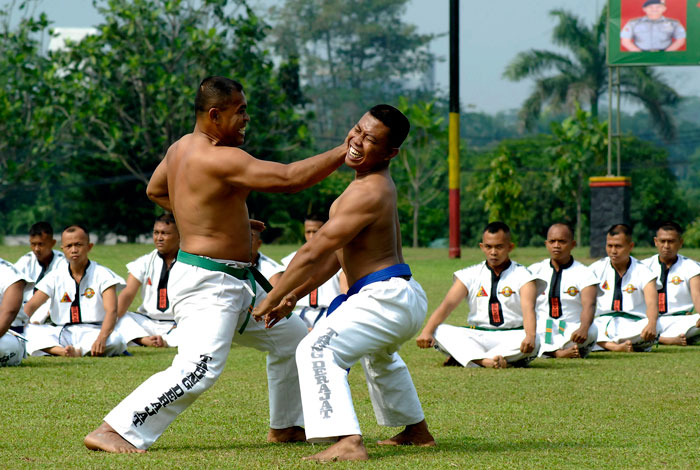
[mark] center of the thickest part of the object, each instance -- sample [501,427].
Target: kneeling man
[566,308]
[12,285]
[680,287]
[83,297]
[153,323]
[501,325]
[627,309]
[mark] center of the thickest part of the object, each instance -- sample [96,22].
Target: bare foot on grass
[71,351]
[617,347]
[414,435]
[571,352]
[679,340]
[155,341]
[291,434]
[107,439]
[347,448]
[497,362]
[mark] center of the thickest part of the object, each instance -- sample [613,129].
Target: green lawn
[613,410]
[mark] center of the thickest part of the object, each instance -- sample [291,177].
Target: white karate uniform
[267,266]
[30,267]
[12,347]
[148,319]
[79,331]
[209,308]
[322,297]
[482,339]
[627,323]
[562,324]
[369,326]
[674,321]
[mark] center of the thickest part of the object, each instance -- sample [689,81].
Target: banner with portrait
[653,32]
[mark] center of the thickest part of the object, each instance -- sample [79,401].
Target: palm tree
[582,76]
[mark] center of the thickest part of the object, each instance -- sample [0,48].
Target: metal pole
[453,155]
[610,94]
[618,135]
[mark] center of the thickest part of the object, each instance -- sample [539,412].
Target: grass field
[613,410]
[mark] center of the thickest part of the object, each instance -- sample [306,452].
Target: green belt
[676,314]
[472,327]
[249,274]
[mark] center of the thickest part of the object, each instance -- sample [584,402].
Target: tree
[582,76]
[422,157]
[580,144]
[352,54]
[501,195]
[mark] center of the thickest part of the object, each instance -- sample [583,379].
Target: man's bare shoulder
[370,191]
[198,147]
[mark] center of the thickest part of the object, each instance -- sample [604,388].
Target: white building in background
[60,35]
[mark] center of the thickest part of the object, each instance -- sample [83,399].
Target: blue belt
[396,270]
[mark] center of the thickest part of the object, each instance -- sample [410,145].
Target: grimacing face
[232,120]
[368,145]
[496,246]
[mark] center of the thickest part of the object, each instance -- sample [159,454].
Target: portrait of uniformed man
[653,32]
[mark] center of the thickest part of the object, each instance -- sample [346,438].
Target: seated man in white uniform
[268,267]
[312,307]
[627,309]
[12,285]
[35,265]
[153,323]
[566,308]
[83,296]
[680,287]
[501,325]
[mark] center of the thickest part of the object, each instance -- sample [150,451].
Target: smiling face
[166,238]
[231,121]
[368,145]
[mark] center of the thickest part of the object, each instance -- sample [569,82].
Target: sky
[492,32]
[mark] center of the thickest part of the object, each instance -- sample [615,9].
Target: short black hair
[166,218]
[215,92]
[40,228]
[563,224]
[495,227]
[670,226]
[75,227]
[316,217]
[618,229]
[393,119]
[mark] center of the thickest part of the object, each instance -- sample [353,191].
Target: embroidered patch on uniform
[89,293]
[676,280]
[572,291]
[148,282]
[507,291]
[482,292]
[630,288]
[605,286]
[66,298]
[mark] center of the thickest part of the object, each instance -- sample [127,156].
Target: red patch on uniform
[148,282]
[66,298]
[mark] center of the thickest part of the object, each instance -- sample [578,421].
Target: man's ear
[213,114]
[392,153]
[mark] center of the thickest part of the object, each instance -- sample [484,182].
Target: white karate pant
[671,326]
[136,325]
[468,344]
[209,308]
[79,335]
[370,326]
[563,340]
[620,329]
[11,350]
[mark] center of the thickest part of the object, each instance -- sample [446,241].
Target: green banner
[653,32]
